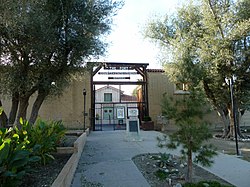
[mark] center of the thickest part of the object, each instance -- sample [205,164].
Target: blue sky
[126,40]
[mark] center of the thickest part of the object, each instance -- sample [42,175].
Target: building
[111,106]
[110,102]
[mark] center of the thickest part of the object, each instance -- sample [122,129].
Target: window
[107,97]
[181,88]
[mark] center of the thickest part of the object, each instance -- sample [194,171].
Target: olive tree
[209,42]
[48,41]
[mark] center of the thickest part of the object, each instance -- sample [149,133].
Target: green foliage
[161,174]
[163,158]
[20,147]
[147,118]
[49,41]
[192,131]
[45,137]
[205,154]
[208,42]
[14,156]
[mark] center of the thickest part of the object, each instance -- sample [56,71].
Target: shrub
[161,174]
[19,147]
[147,118]
[15,157]
[44,137]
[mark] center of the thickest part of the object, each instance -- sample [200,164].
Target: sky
[126,39]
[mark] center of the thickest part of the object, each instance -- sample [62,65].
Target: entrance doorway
[108,114]
[108,100]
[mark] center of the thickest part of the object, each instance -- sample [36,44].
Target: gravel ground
[149,164]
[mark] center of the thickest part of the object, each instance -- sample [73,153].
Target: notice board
[133,126]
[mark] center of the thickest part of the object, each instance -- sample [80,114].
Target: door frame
[140,68]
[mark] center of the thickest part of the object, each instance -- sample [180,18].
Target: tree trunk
[237,115]
[14,107]
[231,130]
[240,114]
[37,105]
[3,118]
[22,110]
[190,166]
[23,104]
[225,121]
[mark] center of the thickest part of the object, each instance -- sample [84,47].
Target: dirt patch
[45,175]
[229,147]
[163,170]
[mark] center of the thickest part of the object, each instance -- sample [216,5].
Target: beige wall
[158,84]
[68,107]
[245,120]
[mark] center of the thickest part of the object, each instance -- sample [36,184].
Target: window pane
[107,97]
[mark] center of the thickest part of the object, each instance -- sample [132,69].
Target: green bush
[44,138]
[147,118]
[160,174]
[20,147]
[15,157]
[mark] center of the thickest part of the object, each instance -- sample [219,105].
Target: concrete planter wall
[67,173]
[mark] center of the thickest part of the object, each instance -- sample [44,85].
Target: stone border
[66,175]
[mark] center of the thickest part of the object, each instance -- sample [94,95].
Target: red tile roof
[125,97]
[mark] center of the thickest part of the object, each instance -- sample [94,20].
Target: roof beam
[119,82]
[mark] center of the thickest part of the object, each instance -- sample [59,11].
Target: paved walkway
[106,161]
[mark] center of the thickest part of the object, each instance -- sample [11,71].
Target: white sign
[132,112]
[120,113]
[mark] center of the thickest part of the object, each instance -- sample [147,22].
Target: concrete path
[106,161]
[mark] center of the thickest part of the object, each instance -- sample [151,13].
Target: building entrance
[109,100]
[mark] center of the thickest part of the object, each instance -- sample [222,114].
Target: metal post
[120,99]
[234,115]
[84,109]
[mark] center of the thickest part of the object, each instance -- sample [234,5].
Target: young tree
[48,41]
[192,133]
[209,43]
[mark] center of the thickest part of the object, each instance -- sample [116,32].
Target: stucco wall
[68,107]
[158,84]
